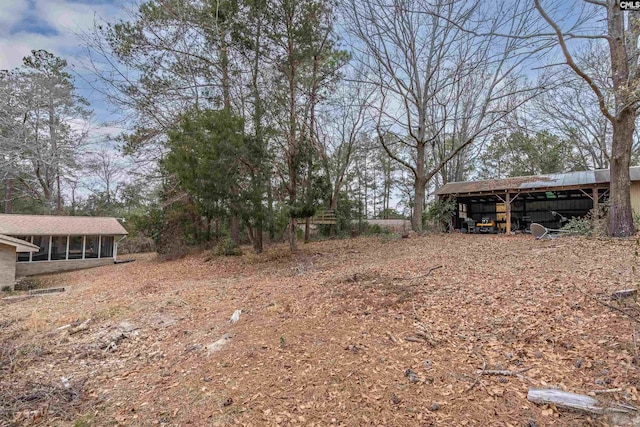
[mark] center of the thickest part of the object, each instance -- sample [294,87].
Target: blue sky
[47,24]
[53,25]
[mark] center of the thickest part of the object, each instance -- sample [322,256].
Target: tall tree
[620,31]
[305,60]
[442,72]
[42,129]
[519,154]
[342,123]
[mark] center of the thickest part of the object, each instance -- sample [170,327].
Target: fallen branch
[626,293]
[575,402]
[609,390]
[504,373]
[421,276]
[81,327]
[612,307]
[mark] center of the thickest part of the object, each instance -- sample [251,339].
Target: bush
[226,247]
[592,224]
[438,214]
[28,283]
[136,244]
[582,226]
[374,229]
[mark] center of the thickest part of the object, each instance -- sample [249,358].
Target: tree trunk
[333,205]
[270,220]
[307,229]
[293,239]
[234,225]
[257,240]
[59,195]
[620,213]
[418,204]
[7,196]
[418,189]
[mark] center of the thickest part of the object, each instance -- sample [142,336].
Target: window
[23,256]
[75,247]
[59,247]
[106,248]
[91,247]
[43,243]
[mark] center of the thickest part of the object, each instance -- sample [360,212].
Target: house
[515,203]
[38,244]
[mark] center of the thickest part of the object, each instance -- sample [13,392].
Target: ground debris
[328,347]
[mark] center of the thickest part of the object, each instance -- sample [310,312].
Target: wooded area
[243,118]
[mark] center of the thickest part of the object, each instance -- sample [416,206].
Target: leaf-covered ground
[355,332]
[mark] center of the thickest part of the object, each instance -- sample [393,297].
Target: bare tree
[342,122]
[604,21]
[108,169]
[444,74]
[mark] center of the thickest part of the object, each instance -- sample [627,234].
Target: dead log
[79,328]
[575,402]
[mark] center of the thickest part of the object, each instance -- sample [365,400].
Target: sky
[47,24]
[53,25]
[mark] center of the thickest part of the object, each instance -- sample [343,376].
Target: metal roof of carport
[557,181]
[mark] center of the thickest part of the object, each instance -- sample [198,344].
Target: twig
[421,276]
[613,307]
[504,373]
[477,381]
[609,390]
[392,338]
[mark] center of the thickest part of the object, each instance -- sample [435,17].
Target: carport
[515,203]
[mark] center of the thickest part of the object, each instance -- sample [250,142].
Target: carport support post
[507,208]
[595,198]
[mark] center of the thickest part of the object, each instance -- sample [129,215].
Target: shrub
[136,244]
[592,224]
[438,214]
[582,226]
[374,229]
[28,283]
[226,247]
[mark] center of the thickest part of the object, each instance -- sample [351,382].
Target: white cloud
[11,12]
[66,17]
[19,45]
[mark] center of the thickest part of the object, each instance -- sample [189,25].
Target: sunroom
[63,242]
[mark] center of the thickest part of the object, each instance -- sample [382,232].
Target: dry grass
[326,336]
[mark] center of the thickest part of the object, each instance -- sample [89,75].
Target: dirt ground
[361,332]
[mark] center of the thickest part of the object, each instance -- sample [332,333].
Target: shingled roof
[50,225]
[20,245]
